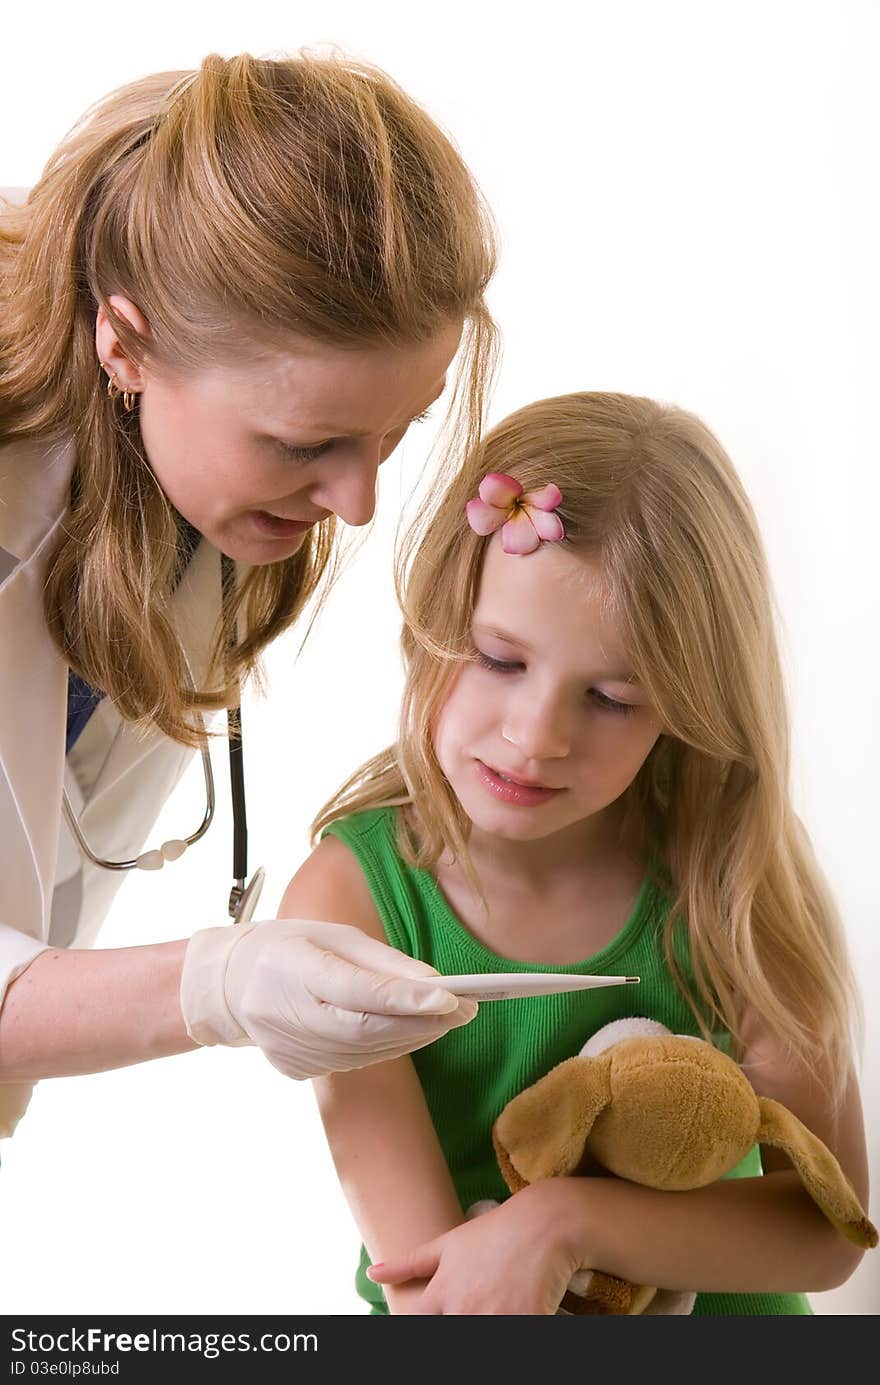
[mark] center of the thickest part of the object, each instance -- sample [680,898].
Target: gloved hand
[315,997]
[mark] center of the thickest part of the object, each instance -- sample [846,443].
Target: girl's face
[549,726]
[255,454]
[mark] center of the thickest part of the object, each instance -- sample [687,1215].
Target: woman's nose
[350,490]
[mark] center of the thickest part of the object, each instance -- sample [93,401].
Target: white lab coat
[117,777]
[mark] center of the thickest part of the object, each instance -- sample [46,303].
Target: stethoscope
[244,895]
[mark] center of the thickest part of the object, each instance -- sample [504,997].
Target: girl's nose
[538,728]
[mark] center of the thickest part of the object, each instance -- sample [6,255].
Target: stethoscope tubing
[243,896]
[169,851]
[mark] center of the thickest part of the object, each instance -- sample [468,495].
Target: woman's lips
[508,790]
[273,527]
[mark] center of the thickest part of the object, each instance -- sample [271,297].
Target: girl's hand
[514,1259]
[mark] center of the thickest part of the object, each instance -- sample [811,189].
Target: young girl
[591,776]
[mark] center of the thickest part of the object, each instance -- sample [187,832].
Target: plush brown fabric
[668,1112]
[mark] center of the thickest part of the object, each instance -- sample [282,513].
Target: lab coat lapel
[33,682]
[34,489]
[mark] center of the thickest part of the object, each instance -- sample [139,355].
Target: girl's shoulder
[404,898]
[357,875]
[371,840]
[331,886]
[380,823]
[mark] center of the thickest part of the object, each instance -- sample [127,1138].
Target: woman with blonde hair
[591,777]
[221,307]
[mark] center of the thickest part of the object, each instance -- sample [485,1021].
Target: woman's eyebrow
[331,431]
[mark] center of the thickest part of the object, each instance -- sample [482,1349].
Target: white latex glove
[315,997]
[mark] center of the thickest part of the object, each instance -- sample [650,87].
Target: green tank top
[470,1074]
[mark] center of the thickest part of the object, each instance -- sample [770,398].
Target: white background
[686,199]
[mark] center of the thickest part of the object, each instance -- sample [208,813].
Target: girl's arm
[738,1235]
[381,1136]
[757,1235]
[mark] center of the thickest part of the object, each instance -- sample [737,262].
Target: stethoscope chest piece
[243,901]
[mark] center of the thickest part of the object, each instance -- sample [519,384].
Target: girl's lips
[272,527]
[522,795]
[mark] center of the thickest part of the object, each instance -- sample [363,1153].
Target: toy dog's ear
[541,1133]
[820,1172]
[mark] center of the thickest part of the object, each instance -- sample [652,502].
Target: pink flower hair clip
[526,518]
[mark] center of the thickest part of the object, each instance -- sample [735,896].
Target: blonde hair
[232,204]
[650,493]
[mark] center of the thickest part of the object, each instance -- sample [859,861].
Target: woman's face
[254,454]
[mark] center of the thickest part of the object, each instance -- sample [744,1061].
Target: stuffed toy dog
[667,1111]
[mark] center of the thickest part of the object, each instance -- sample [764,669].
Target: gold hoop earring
[114,391]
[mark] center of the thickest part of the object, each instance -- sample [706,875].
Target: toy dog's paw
[591,1293]
[671,1303]
[477,1209]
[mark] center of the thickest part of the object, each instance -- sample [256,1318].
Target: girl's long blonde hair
[232,204]
[651,493]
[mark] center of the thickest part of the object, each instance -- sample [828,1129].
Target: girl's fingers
[420,1263]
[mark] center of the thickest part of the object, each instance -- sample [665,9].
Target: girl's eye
[304,454]
[420,418]
[497,665]
[602,700]
[610,704]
